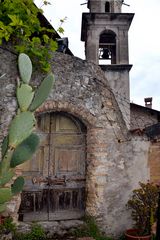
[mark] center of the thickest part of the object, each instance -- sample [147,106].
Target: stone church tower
[105,33]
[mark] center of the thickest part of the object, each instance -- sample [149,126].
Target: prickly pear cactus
[5,195]
[25,68]
[25,150]
[21,127]
[17,186]
[42,92]
[25,96]
[21,143]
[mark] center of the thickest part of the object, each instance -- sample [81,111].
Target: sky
[144,41]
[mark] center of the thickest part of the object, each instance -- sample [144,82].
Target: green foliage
[144,203]
[60,29]
[25,150]
[4,146]
[36,233]
[42,92]
[5,163]
[17,186]
[90,229]
[8,226]
[19,23]
[25,67]
[6,177]
[21,127]
[5,195]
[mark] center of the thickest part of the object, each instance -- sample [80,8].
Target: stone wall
[116,161]
[8,74]
[142,117]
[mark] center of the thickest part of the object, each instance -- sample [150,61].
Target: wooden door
[55,177]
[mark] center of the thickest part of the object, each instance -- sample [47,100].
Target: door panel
[55,177]
[67,161]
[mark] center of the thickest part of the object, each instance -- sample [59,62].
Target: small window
[107,7]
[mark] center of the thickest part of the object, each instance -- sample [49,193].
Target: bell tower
[105,6]
[105,33]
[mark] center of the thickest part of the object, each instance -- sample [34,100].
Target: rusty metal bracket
[49,181]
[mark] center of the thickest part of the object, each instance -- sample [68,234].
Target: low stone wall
[59,228]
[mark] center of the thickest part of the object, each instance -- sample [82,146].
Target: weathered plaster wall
[128,166]
[118,80]
[116,161]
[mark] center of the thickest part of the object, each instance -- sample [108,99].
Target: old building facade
[88,161]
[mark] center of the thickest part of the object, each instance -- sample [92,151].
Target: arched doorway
[55,177]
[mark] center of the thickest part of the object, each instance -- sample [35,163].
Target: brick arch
[56,106]
[96,151]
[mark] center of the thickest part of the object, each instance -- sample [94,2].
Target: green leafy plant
[36,233]
[20,24]
[143,204]
[7,226]
[21,143]
[90,229]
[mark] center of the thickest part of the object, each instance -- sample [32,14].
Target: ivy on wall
[19,24]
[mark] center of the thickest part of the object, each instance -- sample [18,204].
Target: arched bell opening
[55,177]
[107,7]
[107,48]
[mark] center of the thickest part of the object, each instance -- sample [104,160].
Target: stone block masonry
[82,90]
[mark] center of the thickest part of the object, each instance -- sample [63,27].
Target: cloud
[144,39]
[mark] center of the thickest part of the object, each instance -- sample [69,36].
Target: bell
[106,54]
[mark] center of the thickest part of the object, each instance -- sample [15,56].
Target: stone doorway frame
[96,146]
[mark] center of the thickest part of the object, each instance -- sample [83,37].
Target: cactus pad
[42,92]
[4,146]
[5,195]
[25,67]
[21,127]
[24,96]
[17,186]
[6,177]
[5,163]
[25,150]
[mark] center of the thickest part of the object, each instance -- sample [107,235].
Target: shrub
[143,203]
[90,229]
